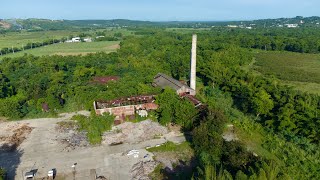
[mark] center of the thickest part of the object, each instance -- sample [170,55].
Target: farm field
[302,71]
[18,39]
[66,49]
[313,88]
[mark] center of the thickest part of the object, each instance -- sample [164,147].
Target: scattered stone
[129,132]
[70,135]
[141,170]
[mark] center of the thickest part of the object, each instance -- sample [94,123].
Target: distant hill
[47,24]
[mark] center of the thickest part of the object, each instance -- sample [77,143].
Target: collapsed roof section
[133,100]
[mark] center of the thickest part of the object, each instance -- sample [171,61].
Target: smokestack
[193,62]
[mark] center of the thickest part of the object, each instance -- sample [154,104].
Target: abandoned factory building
[123,107]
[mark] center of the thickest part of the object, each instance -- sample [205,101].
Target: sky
[159,10]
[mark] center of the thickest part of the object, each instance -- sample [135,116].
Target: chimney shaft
[193,62]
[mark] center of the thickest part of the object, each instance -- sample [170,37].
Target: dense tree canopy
[65,83]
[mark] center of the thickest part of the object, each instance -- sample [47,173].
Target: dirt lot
[45,145]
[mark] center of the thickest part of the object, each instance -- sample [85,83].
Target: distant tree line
[9,50]
[302,40]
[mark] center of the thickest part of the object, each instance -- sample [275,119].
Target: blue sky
[159,10]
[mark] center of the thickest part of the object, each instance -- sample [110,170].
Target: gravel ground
[43,150]
[129,132]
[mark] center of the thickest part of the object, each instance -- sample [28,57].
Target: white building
[100,37]
[87,40]
[76,39]
[291,25]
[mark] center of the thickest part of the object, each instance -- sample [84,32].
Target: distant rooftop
[105,79]
[164,81]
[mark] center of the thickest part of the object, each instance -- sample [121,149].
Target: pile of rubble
[74,140]
[69,135]
[134,132]
[11,141]
[141,170]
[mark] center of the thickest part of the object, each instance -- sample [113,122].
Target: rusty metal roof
[133,100]
[105,79]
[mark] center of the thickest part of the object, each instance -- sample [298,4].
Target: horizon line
[100,19]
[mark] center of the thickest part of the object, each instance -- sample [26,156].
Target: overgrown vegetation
[94,125]
[175,110]
[2,174]
[170,146]
[278,124]
[179,155]
[288,158]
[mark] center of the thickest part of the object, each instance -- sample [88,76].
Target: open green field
[18,39]
[301,71]
[70,49]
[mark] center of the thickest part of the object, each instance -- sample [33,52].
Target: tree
[262,102]
[2,173]
[12,107]
[167,101]
[6,89]
[185,113]
[241,176]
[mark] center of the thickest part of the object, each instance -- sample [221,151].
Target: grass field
[70,49]
[18,39]
[313,88]
[301,71]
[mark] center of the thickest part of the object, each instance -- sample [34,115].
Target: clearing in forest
[301,71]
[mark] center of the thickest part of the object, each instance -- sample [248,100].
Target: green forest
[278,127]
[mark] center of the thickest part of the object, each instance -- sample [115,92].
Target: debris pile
[134,132]
[66,126]
[74,140]
[70,135]
[12,141]
[101,178]
[141,170]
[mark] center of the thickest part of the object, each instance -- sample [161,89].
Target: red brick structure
[105,79]
[123,107]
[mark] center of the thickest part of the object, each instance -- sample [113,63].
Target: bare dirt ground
[115,46]
[5,25]
[134,132]
[53,143]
